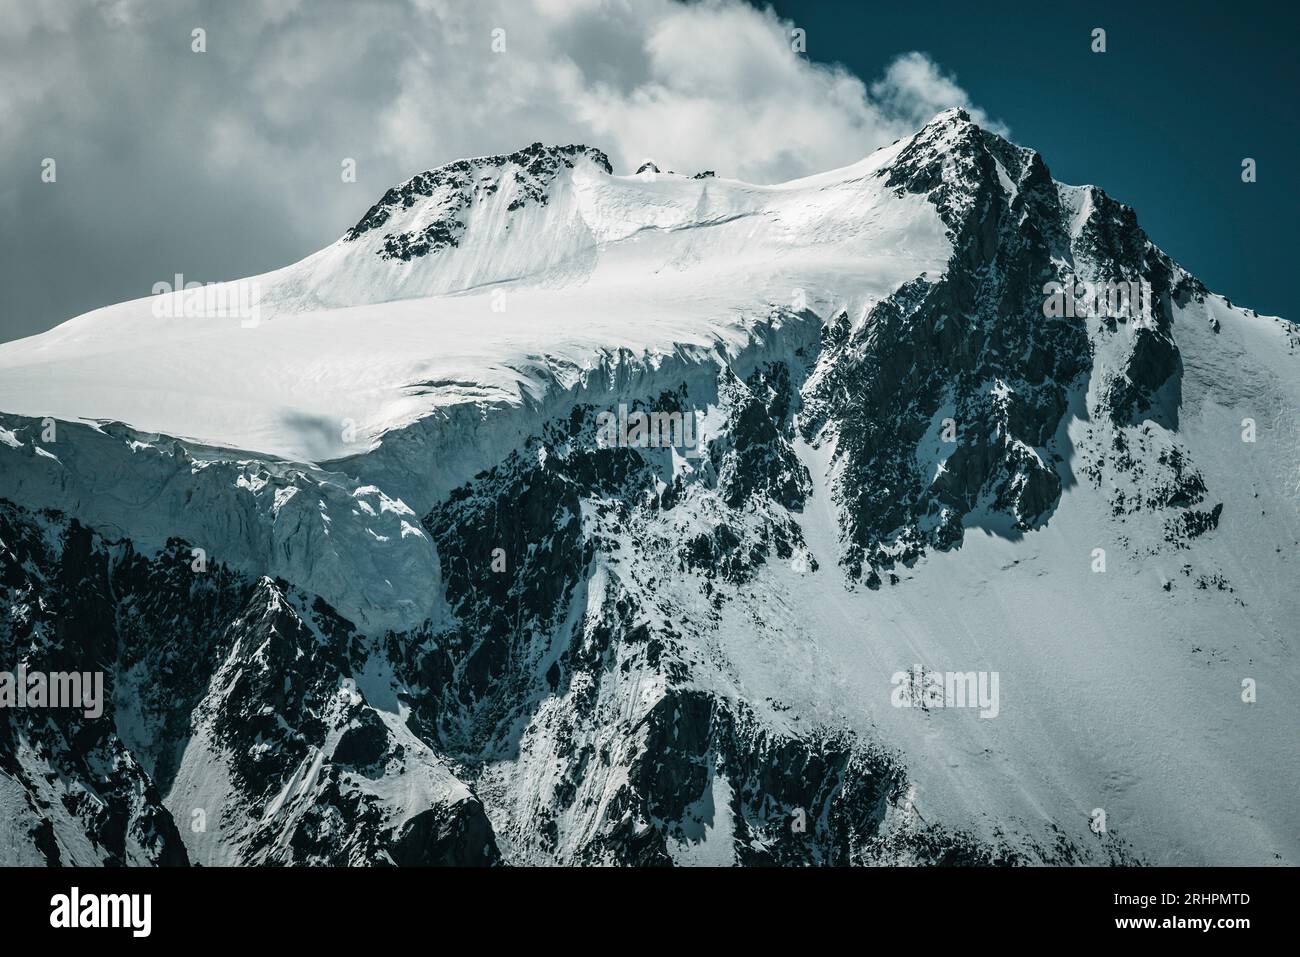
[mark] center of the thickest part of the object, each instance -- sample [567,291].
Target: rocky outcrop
[446,192]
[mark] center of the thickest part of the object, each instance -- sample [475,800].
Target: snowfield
[348,346]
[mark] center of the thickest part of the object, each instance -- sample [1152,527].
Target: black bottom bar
[351,908]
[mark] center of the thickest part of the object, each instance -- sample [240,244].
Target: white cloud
[711,85]
[914,86]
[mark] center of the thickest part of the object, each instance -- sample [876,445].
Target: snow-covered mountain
[370,583]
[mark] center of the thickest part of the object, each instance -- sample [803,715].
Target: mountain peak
[952,116]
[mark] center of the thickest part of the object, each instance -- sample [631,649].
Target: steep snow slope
[445,624]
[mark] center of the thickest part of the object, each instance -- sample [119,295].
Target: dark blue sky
[1161,121]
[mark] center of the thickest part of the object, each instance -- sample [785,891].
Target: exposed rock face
[532,670]
[946,398]
[213,669]
[82,794]
[446,192]
[595,693]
